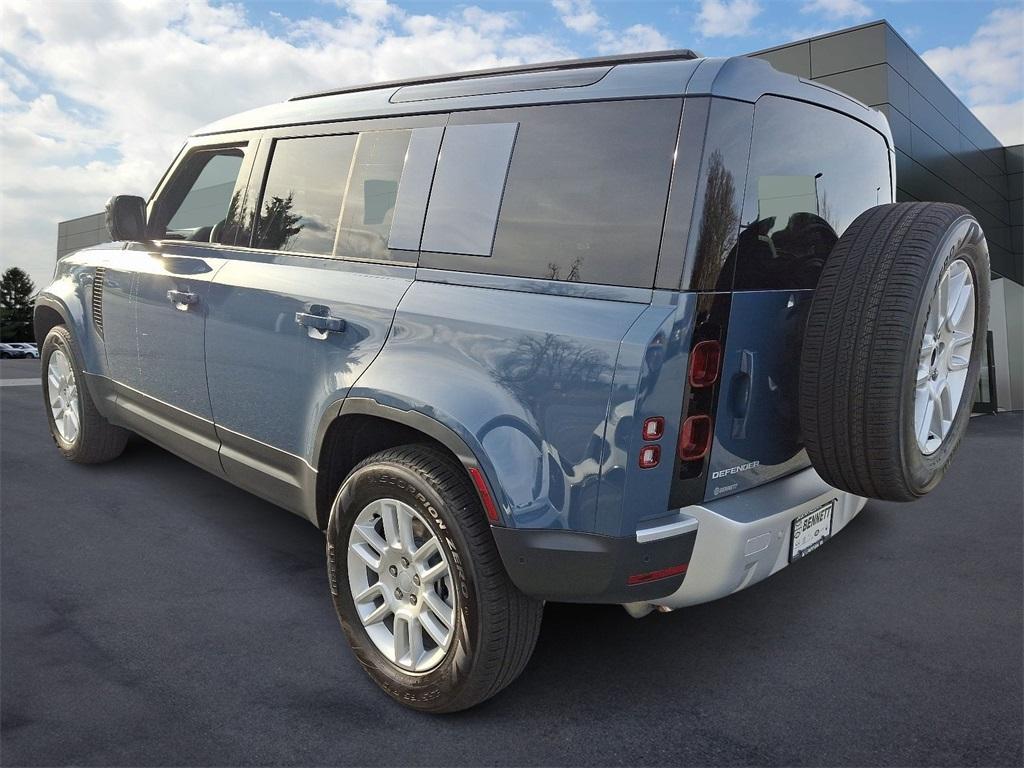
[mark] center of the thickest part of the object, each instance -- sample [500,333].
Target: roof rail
[625,58]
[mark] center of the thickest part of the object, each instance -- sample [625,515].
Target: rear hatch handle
[740,392]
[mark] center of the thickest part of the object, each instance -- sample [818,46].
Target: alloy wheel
[62,390]
[401,585]
[945,356]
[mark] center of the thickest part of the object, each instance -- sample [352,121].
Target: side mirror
[126,217]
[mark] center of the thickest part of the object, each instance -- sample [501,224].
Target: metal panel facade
[81,233]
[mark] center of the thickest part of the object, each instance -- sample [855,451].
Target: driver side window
[202,202]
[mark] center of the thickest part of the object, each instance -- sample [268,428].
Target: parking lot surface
[151,614]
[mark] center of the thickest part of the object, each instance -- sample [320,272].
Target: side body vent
[97,298]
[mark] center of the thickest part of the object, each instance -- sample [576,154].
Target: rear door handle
[182,299]
[319,321]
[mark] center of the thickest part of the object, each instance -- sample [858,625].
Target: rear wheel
[81,433]
[892,350]
[418,584]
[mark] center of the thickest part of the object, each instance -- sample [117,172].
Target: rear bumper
[746,538]
[726,545]
[575,567]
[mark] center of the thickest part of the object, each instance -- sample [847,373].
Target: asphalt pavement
[151,614]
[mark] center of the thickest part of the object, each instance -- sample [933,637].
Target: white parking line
[19,382]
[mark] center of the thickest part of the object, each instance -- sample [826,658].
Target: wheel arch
[47,314]
[363,426]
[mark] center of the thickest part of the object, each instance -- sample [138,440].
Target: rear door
[811,172]
[297,316]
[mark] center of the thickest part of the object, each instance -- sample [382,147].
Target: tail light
[654,428]
[703,381]
[650,456]
[705,360]
[695,437]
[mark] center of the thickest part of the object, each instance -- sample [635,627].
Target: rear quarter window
[584,199]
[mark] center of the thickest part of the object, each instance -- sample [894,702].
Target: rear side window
[342,195]
[372,192]
[302,196]
[584,199]
[812,172]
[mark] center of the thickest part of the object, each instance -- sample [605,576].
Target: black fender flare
[47,301]
[421,422]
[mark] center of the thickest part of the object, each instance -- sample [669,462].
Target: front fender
[68,295]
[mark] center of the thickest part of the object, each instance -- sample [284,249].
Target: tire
[864,363]
[95,440]
[494,627]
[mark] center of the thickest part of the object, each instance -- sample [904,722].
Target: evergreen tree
[16,291]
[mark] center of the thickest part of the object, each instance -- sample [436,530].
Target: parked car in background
[638,330]
[30,350]
[12,351]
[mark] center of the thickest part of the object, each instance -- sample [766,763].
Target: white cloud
[1006,121]
[580,17]
[837,9]
[727,18]
[639,37]
[97,97]
[988,72]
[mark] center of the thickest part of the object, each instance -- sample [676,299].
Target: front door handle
[182,299]
[319,321]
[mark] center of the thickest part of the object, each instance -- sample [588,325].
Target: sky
[97,97]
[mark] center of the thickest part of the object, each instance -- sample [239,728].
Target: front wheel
[418,584]
[80,431]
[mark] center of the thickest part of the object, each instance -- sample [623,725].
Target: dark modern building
[81,232]
[943,152]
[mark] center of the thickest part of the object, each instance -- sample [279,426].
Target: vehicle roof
[656,74]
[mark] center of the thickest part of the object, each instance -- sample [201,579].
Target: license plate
[811,530]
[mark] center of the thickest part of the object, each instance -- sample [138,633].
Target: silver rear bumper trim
[746,538]
[677,527]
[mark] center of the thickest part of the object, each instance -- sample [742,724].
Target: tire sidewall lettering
[359,489]
[963,241]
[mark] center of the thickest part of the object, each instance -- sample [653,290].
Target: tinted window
[411,206]
[200,201]
[467,189]
[716,210]
[585,195]
[811,173]
[303,193]
[372,192]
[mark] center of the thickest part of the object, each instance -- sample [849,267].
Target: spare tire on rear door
[892,349]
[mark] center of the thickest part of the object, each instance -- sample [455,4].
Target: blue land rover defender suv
[637,330]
